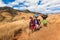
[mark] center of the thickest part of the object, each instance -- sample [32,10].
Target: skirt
[32,27]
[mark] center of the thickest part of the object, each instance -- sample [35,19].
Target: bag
[37,26]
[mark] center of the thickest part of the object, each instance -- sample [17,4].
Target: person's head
[36,17]
[31,17]
[45,16]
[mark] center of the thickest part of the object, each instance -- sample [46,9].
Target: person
[37,23]
[32,24]
[44,19]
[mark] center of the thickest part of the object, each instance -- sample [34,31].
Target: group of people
[34,24]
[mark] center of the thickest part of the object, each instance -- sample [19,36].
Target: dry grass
[21,22]
[8,30]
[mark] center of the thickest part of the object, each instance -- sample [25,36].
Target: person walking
[44,19]
[37,22]
[31,24]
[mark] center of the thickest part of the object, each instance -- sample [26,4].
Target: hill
[8,12]
[14,25]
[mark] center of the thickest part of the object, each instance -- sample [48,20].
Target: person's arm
[29,24]
[39,22]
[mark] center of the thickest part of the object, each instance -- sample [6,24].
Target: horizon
[41,6]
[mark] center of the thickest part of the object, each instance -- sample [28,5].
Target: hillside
[16,26]
[8,12]
[51,32]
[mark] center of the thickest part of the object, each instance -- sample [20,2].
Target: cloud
[15,3]
[2,4]
[45,6]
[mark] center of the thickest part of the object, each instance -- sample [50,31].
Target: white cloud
[33,5]
[23,8]
[2,4]
[16,8]
[26,2]
[52,6]
[16,2]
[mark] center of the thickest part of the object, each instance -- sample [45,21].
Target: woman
[44,19]
[37,23]
[32,24]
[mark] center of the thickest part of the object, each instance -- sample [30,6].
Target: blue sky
[42,6]
[7,1]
